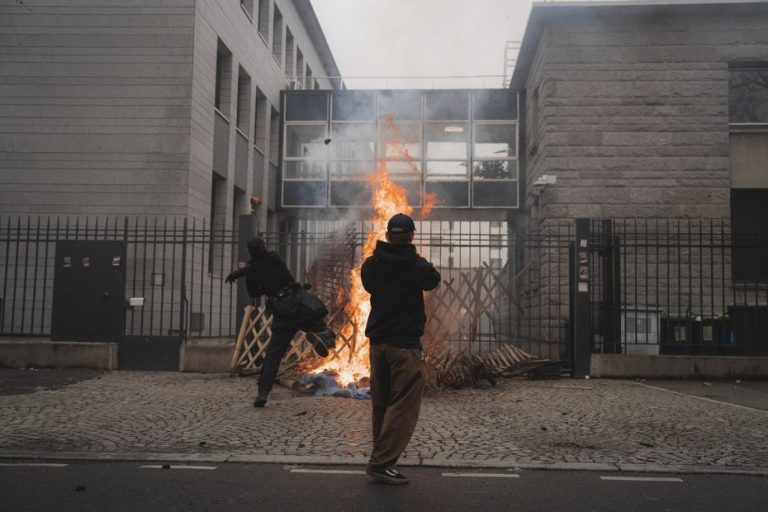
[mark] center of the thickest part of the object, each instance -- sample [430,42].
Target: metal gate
[88,291]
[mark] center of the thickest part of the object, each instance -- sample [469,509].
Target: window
[247,6]
[748,95]
[308,77]
[243,100]
[446,151]
[748,115]
[494,151]
[260,123]
[340,137]
[274,135]
[264,19]
[290,65]
[299,69]
[277,36]
[317,84]
[222,94]
[749,228]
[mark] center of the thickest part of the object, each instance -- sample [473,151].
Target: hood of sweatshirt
[395,254]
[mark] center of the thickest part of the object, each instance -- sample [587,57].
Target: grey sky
[421,37]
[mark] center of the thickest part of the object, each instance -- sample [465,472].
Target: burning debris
[346,371]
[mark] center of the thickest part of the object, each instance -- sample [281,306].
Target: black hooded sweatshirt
[266,274]
[396,277]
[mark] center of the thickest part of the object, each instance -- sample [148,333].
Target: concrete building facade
[159,108]
[628,106]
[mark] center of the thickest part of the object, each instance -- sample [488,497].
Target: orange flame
[388,198]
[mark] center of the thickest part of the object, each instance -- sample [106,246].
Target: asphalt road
[131,486]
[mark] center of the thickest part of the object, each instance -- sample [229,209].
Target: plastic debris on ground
[325,384]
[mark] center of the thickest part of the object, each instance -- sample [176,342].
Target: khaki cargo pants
[397,385]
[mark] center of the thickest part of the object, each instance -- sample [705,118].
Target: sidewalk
[596,424]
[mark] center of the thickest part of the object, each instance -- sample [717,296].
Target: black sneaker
[317,339]
[260,401]
[387,476]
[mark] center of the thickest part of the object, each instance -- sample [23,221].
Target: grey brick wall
[633,113]
[95,107]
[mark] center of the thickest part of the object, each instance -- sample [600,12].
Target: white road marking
[702,398]
[160,466]
[328,471]
[641,479]
[33,464]
[482,475]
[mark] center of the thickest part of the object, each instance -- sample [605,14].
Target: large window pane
[306,107]
[400,105]
[748,95]
[352,105]
[352,170]
[453,193]
[350,193]
[397,140]
[495,169]
[447,170]
[352,141]
[305,193]
[404,168]
[304,170]
[494,141]
[495,104]
[305,141]
[494,194]
[447,105]
[447,140]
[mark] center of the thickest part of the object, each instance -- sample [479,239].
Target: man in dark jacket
[396,277]
[266,274]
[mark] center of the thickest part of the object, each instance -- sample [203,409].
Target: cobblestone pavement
[517,424]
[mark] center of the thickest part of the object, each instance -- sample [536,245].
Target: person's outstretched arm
[236,274]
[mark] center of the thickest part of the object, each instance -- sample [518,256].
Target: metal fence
[177,266]
[679,286]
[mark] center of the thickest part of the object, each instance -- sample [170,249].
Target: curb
[319,460]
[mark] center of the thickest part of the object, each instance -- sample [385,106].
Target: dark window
[299,69]
[260,124]
[306,107]
[277,36]
[490,105]
[247,6]
[290,50]
[264,19]
[243,101]
[447,105]
[748,95]
[401,105]
[749,227]
[352,105]
[274,135]
[223,78]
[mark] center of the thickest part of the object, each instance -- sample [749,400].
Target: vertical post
[581,312]
[183,297]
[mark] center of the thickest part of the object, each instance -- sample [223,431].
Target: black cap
[401,223]
[255,241]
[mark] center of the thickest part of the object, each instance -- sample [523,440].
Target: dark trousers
[397,385]
[282,335]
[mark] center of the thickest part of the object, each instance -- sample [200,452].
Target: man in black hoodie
[266,274]
[396,277]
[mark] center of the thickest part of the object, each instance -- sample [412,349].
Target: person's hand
[231,278]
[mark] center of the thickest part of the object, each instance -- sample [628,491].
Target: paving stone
[517,422]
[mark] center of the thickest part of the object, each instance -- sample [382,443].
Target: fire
[388,198]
